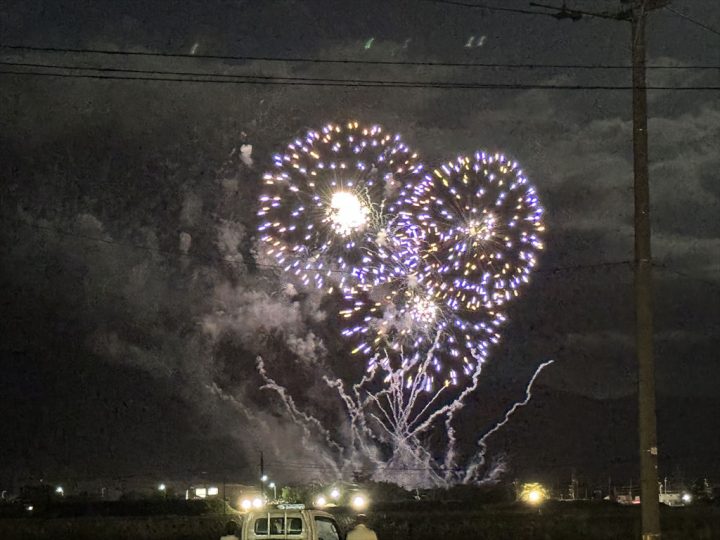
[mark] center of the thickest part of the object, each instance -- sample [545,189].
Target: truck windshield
[277,525]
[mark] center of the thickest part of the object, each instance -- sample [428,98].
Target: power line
[563,12]
[141,247]
[587,266]
[279,464]
[685,275]
[486,7]
[342,61]
[218,258]
[209,258]
[693,20]
[626,14]
[105,73]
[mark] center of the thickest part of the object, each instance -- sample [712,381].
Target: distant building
[232,493]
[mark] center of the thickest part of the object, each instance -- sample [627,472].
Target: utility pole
[647,424]
[262,473]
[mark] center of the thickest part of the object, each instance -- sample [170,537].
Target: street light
[534,497]
[533,493]
[335,494]
[359,503]
[162,487]
[263,481]
[274,488]
[60,491]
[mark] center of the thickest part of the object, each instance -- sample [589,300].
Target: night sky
[133,310]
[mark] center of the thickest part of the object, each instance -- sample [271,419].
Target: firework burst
[325,205]
[402,325]
[423,263]
[481,224]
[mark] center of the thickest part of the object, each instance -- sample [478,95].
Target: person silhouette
[361,531]
[231,531]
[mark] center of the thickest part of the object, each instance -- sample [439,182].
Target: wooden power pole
[647,424]
[649,490]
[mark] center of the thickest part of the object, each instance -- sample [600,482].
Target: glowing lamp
[533,494]
[320,501]
[359,502]
[246,504]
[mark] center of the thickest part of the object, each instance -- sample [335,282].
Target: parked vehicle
[290,521]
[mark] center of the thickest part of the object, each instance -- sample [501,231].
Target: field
[559,521]
[556,521]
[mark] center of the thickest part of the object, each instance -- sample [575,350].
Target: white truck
[290,522]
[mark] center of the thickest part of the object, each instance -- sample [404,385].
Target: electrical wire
[107,73]
[342,61]
[215,259]
[486,7]
[685,275]
[692,20]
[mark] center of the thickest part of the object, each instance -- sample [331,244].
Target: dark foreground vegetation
[555,521]
[193,520]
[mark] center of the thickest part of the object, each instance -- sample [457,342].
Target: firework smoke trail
[305,421]
[386,429]
[397,414]
[380,419]
[479,459]
[362,438]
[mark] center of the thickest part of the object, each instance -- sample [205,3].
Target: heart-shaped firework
[424,263]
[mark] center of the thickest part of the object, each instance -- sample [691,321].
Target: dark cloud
[134,306]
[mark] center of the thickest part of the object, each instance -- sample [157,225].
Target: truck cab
[290,522]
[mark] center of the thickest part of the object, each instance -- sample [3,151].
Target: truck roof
[290,512]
